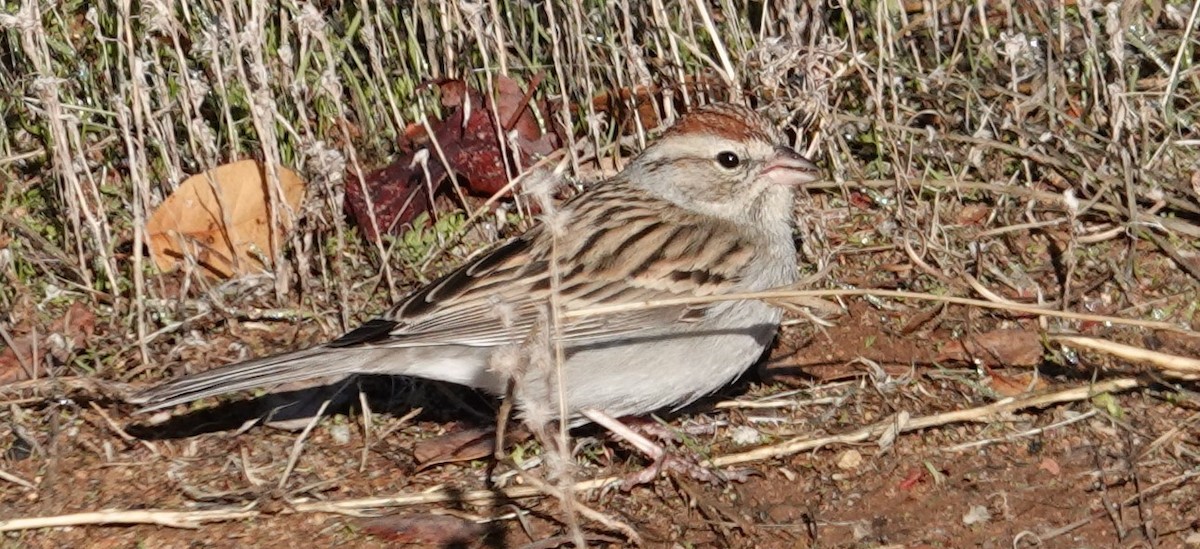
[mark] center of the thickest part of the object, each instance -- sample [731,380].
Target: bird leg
[658,455]
[502,416]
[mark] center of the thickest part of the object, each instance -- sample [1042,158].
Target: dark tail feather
[312,363]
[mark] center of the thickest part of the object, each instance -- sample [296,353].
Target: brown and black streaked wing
[497,298]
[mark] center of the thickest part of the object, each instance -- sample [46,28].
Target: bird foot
[674,464]
[689,465]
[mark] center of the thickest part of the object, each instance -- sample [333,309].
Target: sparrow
[705,210]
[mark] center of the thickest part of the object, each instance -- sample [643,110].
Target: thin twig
[174,519]
[783,293]
[121,432]
[5,475]
[298,445]
[1022,434]
[1179,366]
[794,446]
[982,413]
[1179,479]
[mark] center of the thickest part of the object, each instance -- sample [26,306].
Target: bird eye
[728,160]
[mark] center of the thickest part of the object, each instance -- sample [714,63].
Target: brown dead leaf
[426,530]
[229,235]
[913,478]
[465,445]
[72,331]
[996,348]
[453,447]
[972,214]
[1016,385]
[1051,466]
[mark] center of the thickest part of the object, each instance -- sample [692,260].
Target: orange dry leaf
[1051,466]
[227,232]
[1016,385]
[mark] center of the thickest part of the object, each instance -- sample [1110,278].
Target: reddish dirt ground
[1095,470]
[1108,471]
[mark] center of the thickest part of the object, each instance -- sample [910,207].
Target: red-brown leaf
[469,140]
[74,327]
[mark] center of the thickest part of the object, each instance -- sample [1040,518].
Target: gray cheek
[705,185]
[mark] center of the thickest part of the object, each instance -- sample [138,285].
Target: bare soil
[1112,469]
[1036,153]
[1115,474]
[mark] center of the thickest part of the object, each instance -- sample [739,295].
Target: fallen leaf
[468,148]
[861,201]
[912,479]
[454,447]
[426,530]
[397,195]
[996,348]
[465,445]
[1016,385]
[222,218]
[67,333]
[512,104]
[972,214]
[1051,466]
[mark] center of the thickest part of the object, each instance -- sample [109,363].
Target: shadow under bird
[705,210]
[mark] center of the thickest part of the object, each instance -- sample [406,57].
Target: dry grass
[1031,167]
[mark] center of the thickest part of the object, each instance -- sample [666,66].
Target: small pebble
[745,436]
[850,459]
[340,433]
[976,514]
